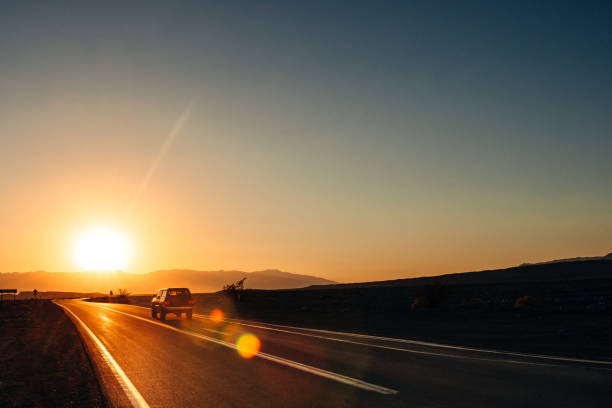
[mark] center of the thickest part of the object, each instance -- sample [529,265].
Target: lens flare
[216,315]
[248,345]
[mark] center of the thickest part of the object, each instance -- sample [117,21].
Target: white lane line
[261,325]
[420,352]
[416,342]
[130,390]
[294,364]
[426,353]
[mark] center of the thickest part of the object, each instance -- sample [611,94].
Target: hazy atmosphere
[348,142]
[306,204]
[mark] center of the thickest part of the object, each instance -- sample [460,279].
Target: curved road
[192,363]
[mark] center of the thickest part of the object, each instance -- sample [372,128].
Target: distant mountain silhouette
[552,271]
[197,281]
[212,281]
[583,258]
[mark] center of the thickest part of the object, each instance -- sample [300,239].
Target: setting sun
[102,249]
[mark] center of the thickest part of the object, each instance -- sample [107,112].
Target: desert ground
[43,362]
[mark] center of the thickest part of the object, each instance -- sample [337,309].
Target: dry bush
[419,303]
[122,296]
[123,292]
[432,296]
[235,290]
[525,302]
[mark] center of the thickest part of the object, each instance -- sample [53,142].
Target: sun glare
[102,249]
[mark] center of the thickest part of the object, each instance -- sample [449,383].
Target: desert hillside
[197,281]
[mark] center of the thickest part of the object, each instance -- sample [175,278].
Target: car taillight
[167,303]
[191,302]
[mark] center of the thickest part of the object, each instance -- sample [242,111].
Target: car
[172,300]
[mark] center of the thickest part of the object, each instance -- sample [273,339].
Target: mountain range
[598,267]
[579,258]
[571,269]
[197,281]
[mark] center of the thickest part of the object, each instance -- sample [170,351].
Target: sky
[353,141]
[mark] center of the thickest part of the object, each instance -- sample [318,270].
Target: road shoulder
[44,362]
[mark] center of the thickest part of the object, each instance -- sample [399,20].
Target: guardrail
[9,291]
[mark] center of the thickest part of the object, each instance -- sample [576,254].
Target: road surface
[194,363]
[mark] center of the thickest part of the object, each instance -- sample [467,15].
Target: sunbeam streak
[180,123]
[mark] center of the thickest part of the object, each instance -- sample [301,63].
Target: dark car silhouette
[172,300]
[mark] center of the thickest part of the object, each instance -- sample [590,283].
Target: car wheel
[153,313]
[162,315]
[189,314]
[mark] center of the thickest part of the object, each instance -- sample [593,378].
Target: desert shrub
[525,302]
[418,303]
[235,290]
[122,296]
[431,296]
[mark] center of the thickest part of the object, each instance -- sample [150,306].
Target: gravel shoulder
[43,360]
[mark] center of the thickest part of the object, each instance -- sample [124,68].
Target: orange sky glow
[226,142]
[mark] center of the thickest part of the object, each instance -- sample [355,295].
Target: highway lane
[192,363]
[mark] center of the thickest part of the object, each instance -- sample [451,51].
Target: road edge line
[135,398]
[408,341]
[253,323]
[276,359]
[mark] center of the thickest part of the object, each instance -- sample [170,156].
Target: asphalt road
[194,363]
